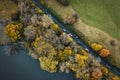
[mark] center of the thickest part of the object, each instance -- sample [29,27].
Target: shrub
[96,46]
[71,19]
[13,31]
[64,2]
[104,52]
[96,73]
[48,64]
[113,43]
[63,55]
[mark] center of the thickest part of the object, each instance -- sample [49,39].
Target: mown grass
[7,8]
[102,14]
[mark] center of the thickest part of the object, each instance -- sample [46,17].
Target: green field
[102,14]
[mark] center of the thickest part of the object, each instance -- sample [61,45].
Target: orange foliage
[97,73]
[104,52]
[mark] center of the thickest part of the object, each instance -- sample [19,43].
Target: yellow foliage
[80,59]
[33,4]
[96,46]
[115,78]
[84,53]
[77,75]
[73,67]
[39,10]
[63,55]
[55,26]
[35,43]
[104,70]
[13,31]
[48,64]
[43,48]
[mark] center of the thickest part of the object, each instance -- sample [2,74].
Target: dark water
[23,67]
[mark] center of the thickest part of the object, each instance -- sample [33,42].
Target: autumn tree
[104,52]
[115,78]
[39,10]
[64,2]
[48,64]
[104,70]
[46,21]
[42,48]
[13,31]
[65,39]
[96,46]
[30,32]
[80,59]
[63,55]
[56,28]
[97,74]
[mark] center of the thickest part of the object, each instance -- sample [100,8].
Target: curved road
[78,40]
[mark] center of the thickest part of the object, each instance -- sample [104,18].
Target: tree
[80,59]
[63,55]
[30,32]
[46,21]
[104,52]
[104,70]
[55,27]
[97,74]
[113,43]
[96,46]
[39,10]
[48,64]
[11,49]
[13,31]
[115,78]
[64,2]
[65,39]
[42,48]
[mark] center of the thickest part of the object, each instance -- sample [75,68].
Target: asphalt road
[78,40]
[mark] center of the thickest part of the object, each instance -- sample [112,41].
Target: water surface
[23,67]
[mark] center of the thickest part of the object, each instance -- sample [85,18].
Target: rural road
[78,40]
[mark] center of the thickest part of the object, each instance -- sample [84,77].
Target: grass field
[102,14]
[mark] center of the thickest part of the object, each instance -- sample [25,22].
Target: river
[23,67]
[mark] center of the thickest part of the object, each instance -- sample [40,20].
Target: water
[23,67]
